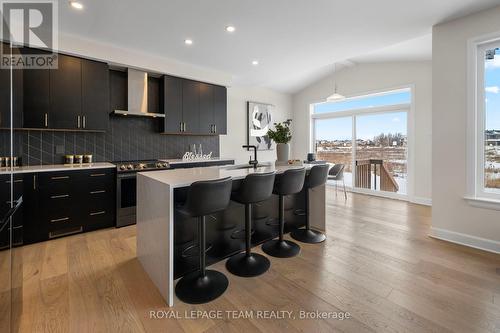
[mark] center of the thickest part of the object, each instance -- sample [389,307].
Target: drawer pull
[54,234]
[59,196]
[59,177]
[97,192]
[15,181]
[98,213]
[97,175]
[60,220]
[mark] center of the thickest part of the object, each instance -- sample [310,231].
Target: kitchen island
[166,240]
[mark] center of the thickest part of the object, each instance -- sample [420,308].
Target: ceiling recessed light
[255,62]
[188,41]
[230,28]
[76,5]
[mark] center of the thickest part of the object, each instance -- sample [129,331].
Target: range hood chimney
[137,87]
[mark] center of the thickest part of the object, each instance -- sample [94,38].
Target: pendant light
[335,97]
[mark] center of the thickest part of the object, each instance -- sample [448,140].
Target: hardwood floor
[378,264]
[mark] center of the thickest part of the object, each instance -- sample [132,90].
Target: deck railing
[366,168]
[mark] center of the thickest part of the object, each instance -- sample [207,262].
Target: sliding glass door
[334,143]
[381,152]
[369,136]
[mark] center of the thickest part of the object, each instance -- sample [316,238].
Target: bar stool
[255,188]
[317,176]
[204,198]
[289,182]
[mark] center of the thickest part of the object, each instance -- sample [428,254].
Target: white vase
[283,152]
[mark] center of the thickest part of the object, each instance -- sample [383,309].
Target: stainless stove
[145,165]
[126,187]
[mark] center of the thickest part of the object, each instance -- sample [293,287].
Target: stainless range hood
[137,84]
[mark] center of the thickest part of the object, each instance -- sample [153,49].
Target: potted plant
[282,136]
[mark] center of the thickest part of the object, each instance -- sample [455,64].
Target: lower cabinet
[69,202]
[6,200]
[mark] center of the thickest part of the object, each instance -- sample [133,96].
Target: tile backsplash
[130,138]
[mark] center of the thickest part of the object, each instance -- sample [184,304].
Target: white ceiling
[294,41]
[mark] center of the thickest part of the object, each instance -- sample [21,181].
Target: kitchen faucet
[254,162]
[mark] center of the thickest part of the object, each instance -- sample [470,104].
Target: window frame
[477,194]
[391,108]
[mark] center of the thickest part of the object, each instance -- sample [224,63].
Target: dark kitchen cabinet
[172,104]
[206,108]
[67,202]
[193,107]
[36,98]
[5,94]
[220,109]
[6,202]
[118,90]
[66,94]
[95,95]
[75,96]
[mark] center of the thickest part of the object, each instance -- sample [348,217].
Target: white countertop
[180,160]
[185,177]
[57,167]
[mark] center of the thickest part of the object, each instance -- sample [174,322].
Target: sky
[368,126]
[492,92]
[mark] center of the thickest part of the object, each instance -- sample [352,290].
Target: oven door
[126,191]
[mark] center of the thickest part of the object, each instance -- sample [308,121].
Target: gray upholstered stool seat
[204,198]
[255,188]
[289,182]
[317,176]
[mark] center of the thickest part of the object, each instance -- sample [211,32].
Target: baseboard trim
[421,201]
[466,240]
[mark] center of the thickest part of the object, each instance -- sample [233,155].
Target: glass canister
[78,159]
[87,158]
[69,159]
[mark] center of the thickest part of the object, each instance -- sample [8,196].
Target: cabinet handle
[97,192]
[180,124]
[184,127]
[34,182]
[97,175]
[60,220]
[215,128]
[59,177]
[78,121]
[59,196]
[15,181]
[84,122]
[46,119]
[98,213]
[54,234]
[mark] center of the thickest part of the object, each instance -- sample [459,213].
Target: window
[368,134]
[367,101]
[484,148]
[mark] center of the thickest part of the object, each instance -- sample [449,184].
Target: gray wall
[128,138]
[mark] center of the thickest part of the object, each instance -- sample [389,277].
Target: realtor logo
[29,32]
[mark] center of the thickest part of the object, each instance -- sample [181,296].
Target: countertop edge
[56,167]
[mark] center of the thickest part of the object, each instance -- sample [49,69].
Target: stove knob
[130,167]
[122,167]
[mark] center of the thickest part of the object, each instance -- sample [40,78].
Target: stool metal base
[196,289]
[248,266]
[281,249]
[308,236]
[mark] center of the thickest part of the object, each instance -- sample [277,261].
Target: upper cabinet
[95,95]
[65,92]
[75,96]
[5,94]
[194,108]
